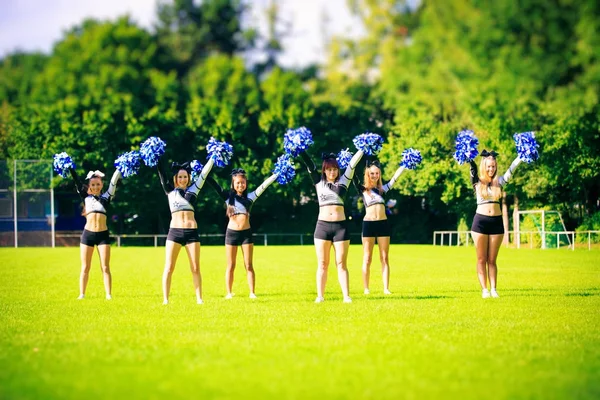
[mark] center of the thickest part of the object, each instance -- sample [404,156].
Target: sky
[35,25]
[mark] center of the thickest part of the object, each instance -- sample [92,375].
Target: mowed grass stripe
[434,337]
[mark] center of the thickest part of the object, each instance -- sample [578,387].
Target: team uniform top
[180,199]
[485,195]
[96,204]
[241,204]
[374,196]
[328,193]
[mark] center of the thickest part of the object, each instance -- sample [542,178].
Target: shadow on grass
[421,297]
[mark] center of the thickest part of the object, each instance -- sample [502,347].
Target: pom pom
[411,158]
[466,147]
[527,146]
[221,152]
[151,150]
[128,163]
[343,158]
[296,141]
[284,168]
[196,167]
[369,143]
[62,164]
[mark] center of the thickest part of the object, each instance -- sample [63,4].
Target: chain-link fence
[27,212]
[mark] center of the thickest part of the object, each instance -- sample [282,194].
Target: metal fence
[525,239]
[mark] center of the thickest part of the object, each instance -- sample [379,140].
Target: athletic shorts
[488,225]
[92,239]
[376,228]
[332,231]
[237,238]
[183,236]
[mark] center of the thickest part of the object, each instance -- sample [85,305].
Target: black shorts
[376,228]
[92,239]
[332,231]
[488,225]
[237,238]
[183,236]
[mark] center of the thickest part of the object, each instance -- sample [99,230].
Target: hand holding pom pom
[369,143]
[411,158]
[343,158]
[151,150]
[62,164]
[128,163]
[196,167]
[527,146]
[284,168]
[221,152]
[466,147]
[297,141]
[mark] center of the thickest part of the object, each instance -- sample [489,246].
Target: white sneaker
[199,301]
[485,294]
[494,294]
[319,299]
[229,296]
[386,291]
[81,297]
[165,302]
[347,299]
[252,296]
[367,291]
[108,297]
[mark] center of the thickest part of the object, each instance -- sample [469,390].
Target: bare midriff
[489,209]
[332,213]
[183,220]
[376,212]
[239,222]
[95,222]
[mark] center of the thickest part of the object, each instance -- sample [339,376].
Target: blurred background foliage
[420,74]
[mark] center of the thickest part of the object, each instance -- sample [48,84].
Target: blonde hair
[367,181]
[488,188]
[177,173]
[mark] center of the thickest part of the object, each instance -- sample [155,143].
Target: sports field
[433,338]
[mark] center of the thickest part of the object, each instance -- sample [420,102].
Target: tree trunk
[516,220]
[505,218]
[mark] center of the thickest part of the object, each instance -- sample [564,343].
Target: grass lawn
[433,338]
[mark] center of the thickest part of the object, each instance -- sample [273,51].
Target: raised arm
[261,189]
[223,193]
[474,174]
[311,167]
[166,184]
[349,172]
[391,182]
[356,182]
[78,184]
[502,180]
[197,185]
[112,186]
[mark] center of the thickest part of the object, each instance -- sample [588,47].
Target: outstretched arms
[261,189]
[349,172]
[502,180]
[311,167]
[391,182]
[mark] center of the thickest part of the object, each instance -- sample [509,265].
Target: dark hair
[329,162]
[232,192]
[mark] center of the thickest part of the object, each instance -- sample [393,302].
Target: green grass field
[433,338]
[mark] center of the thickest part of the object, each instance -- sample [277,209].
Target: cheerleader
[95,233]
[182,194]
[239,233]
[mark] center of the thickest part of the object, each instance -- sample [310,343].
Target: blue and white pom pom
[527,146]
[411,158]
[62,164]
[151,150]
[128,163]
[466,146]
[297,141]
[284,168]
[196,167]
[369,143]
[221,152]
[343,158]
